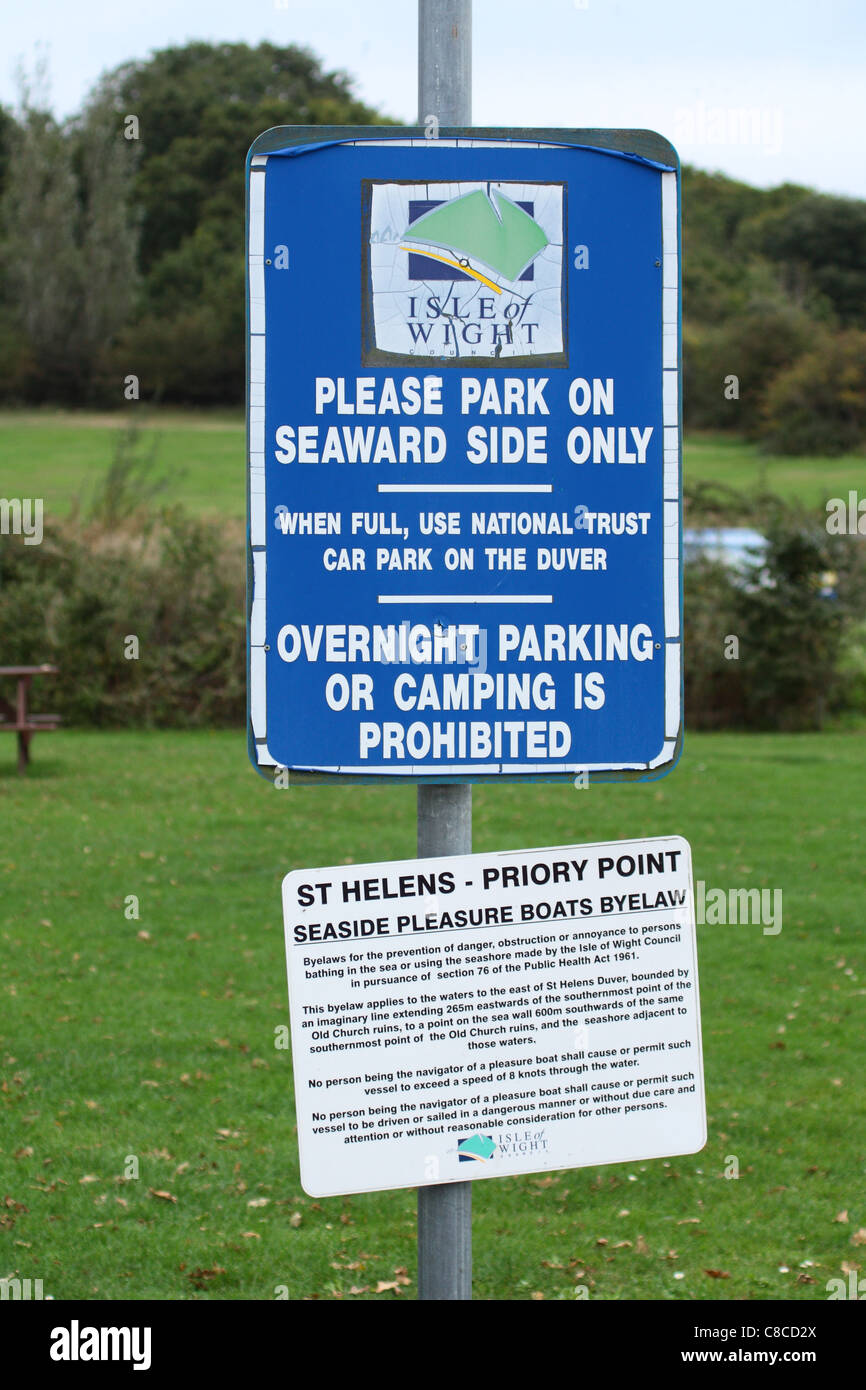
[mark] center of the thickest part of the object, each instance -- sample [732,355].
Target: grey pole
[445,812]
[445,61]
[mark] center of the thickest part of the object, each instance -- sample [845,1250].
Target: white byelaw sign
[483,1015]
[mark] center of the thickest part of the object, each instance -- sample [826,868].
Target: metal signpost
[445,812]
[464,467]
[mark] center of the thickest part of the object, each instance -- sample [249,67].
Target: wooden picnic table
[16,718]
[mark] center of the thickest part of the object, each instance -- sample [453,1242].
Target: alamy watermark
[739,907]
[21,1290]
[846,518]
[854,1289]
[22,516]
[729,125]
[77,1343]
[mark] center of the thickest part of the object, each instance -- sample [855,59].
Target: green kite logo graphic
[478,1148]
[492,230]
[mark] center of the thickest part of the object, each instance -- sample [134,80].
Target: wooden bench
[17,718]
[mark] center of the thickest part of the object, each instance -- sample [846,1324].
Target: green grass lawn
[151,1041]
[60,455]
[725,459]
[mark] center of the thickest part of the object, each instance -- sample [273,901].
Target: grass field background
[59,456]
[154,1038]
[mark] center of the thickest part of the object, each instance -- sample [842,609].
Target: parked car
[738,548]
[742,551]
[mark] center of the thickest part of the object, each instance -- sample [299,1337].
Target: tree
[69,248]
[818,404]
[820,242]
[199,108]
[751,347]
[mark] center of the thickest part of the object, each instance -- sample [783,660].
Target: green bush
[818,405]
[175,584]
[713,688]
[768,335]
[851,694]
[795,622]
[791,630]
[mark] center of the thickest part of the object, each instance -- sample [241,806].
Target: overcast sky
[766,90]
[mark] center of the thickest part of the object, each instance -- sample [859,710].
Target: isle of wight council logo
[478,1148]
[462,273]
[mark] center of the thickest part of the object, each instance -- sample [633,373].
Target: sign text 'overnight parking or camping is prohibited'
[464,452]
[484,1015]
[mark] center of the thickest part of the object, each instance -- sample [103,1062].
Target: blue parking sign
[464,449]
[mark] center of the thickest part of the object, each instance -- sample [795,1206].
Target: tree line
[121,254]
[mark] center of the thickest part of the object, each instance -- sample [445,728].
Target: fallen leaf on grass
[250,1235]
[26,1152]
[201,1277]
[537,1297]
[717,1273]
[689,1221]
[89,1177]
[295,1219]
[842,1216]
[859,1237]
[622,1244]
[163,1196]
[641,1248]
[258,1202]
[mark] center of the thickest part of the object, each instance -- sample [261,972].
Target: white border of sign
[671,492]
